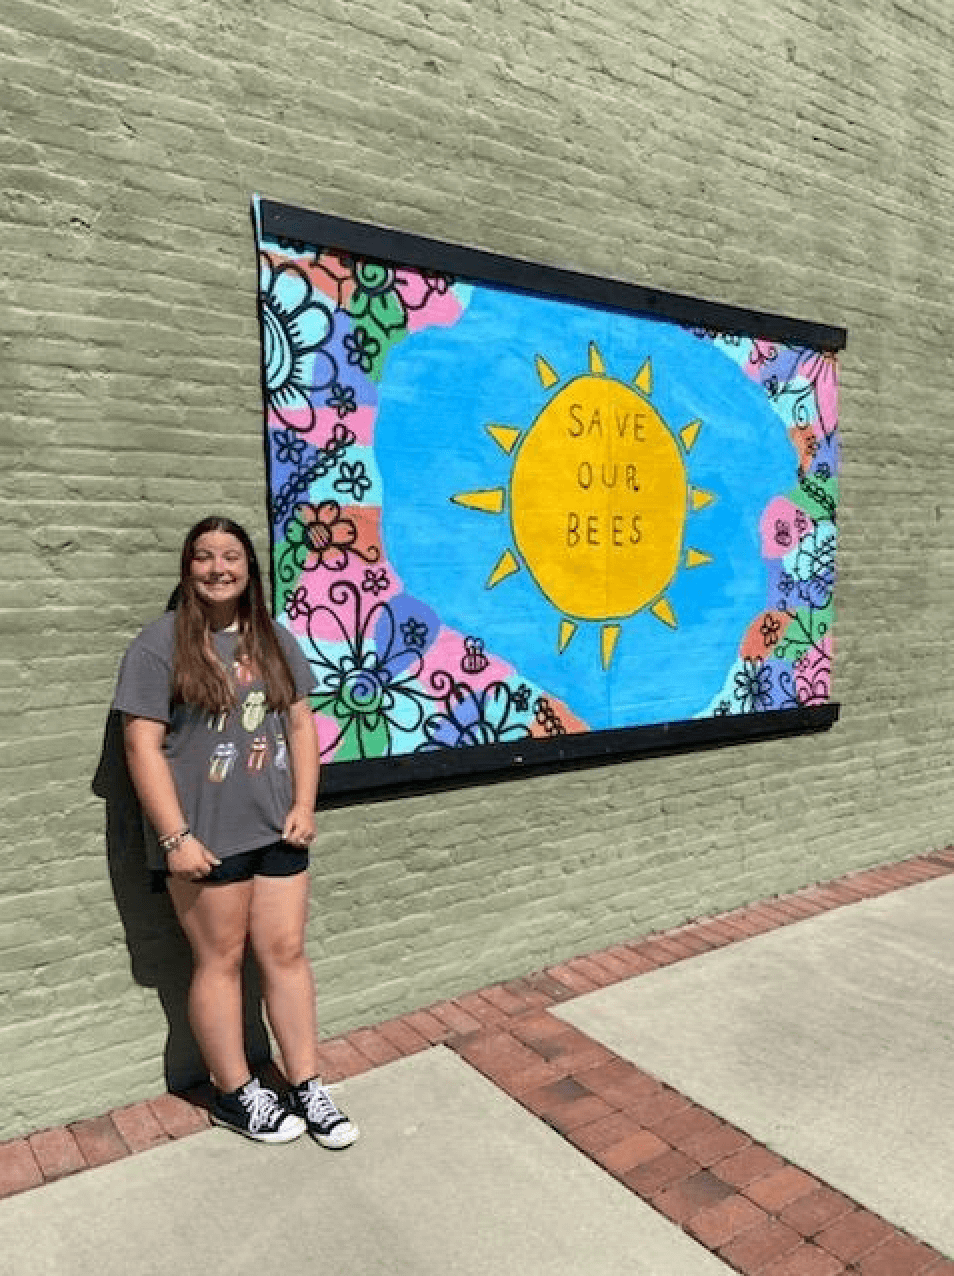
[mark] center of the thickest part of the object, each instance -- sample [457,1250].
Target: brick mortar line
[464,1022]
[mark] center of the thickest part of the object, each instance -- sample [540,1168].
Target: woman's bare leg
[279,908]
[216,922]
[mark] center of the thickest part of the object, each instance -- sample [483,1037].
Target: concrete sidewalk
[831,1042]
[777,1104]
[452,1177]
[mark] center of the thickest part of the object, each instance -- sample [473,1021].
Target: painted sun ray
[505,436]
[597,366]
[506,566]
[663,611]
[697,558]
[689,433]
[643,380]
[700,499]
[567,629]
[489,500]
[546,374]
[609,637]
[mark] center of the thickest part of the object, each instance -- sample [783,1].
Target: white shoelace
[320,1106]
[261,1105]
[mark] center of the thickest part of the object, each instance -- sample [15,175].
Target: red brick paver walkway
[759,1213]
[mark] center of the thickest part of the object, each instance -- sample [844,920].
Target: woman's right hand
[191,861]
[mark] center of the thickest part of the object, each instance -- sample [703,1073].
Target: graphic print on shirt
[281,750]
[253,711]
[222,761]
[216,721]
[258,754]
[243,672]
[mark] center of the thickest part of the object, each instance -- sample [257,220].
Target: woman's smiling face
[219,572]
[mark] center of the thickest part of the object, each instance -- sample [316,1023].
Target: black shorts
[279,859]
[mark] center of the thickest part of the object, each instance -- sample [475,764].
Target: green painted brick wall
[787,156]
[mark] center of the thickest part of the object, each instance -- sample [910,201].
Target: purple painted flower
[473,717]
[753,686]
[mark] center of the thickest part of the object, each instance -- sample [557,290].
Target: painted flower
[547,716]
[762,352]
[472,718]
[338,441]
[521,697]
[813,675]
[372,690]
[770,629]
[296,327]
[342,399]
[320,537]
[414,632]
[369,701]
[359,688]
[815,565]
[297,604]
[289,447]
[376,297]
[438,283]
[777,527]
[375,581]
[753,686]
[362,349]
[352,480]
[825,461]
[416,288]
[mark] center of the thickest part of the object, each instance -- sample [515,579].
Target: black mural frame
[346,781]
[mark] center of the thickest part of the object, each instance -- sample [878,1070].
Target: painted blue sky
[440,390]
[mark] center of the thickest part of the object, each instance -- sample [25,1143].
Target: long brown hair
[198,676]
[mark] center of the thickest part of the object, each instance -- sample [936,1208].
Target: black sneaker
[325,1123]
[258,1114]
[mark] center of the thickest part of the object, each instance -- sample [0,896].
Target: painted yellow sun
[599,498]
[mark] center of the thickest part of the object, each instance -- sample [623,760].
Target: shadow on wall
[158,951]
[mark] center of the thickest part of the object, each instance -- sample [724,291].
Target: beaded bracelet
[174,840]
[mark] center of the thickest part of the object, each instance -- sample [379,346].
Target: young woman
[222,752]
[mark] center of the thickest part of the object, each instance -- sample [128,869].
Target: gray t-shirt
[232,770]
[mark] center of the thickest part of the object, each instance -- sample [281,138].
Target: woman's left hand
[299,829]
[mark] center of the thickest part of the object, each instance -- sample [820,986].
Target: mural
[501,516]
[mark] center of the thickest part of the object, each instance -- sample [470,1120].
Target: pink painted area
[312,590]
[446,653]
[778,527]
[442,311]
[360,423]
[762,352]
[290,419]
[328,730]
[813,674]
[821,369]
